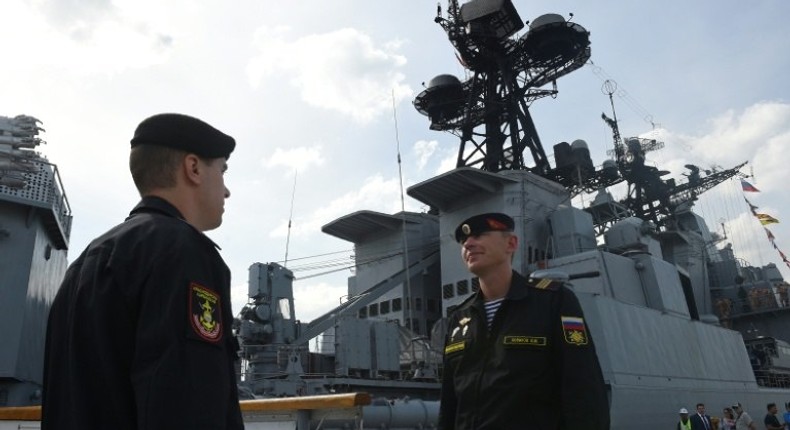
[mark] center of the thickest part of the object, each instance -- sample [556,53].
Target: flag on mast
[748,187]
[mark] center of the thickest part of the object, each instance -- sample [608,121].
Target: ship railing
[772,378]
[757,300]
[44,189]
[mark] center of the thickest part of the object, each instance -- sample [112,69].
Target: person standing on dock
[743,421]
[518,353]
[139,334]
[771,421]
[700,421]
[684,423]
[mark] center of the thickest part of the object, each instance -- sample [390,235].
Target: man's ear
[512,243]
[192,169]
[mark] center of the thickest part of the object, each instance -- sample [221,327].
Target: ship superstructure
[645,267]
[35,224]
[676,319]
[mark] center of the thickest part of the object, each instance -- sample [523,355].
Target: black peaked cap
[482,223]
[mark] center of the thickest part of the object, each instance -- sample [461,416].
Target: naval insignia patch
[574,330]
[205,313]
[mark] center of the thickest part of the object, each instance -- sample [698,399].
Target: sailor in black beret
[482,223]
[158,270]
[184,132]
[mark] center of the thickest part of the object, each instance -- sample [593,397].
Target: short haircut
[700,404]
[770,405]
[154,167]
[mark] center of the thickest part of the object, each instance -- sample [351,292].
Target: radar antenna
[489,111]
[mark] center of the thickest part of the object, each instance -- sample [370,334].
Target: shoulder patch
[574,331]
[205,312]
[544,284]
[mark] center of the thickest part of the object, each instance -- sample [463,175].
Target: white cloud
[424,150]
[80,37]
[238,297]
[756,135]
[376,194]
[313,299]
[341,70]
[448,163]
[298,159]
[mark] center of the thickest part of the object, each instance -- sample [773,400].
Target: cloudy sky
[307,89]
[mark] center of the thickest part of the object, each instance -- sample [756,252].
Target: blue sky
[308,86]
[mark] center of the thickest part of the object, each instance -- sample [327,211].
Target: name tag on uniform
[524,341]
[454,347]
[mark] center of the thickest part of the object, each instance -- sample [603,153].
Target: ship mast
[489,112]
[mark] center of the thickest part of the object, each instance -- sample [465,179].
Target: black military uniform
[139,334]
[535,369]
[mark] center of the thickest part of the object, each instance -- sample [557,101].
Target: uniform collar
[518,290]
[156,204]
[518,287]
[161,206]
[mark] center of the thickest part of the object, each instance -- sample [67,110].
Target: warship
[676,320]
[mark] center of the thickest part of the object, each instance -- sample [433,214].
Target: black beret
[482,223]
[183,132]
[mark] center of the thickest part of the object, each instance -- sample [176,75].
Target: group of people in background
[733,418]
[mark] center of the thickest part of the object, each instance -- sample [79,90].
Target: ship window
[418,304]
[463,287]
[396,305]
[373,309]
[447,291]
[384,307]
[363,313]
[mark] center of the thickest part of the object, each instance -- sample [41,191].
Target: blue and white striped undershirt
[491,308]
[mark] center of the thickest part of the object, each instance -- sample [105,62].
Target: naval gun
[274,345]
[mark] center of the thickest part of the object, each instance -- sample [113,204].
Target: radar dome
[579,144]
[549,18]
[444,81]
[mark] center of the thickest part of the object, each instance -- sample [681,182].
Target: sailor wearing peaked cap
[482,223]
[516,336]
[185,133]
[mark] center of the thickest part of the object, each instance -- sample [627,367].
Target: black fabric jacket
[535,369]
[139,334]
[696,421]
